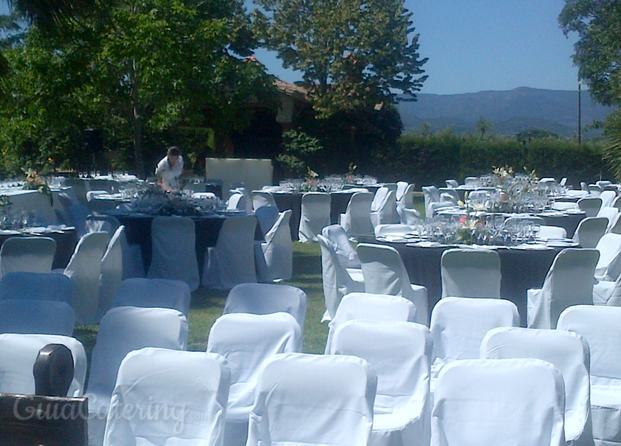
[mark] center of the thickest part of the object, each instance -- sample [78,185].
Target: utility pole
[579,112]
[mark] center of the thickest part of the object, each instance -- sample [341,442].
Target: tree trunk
[137,121]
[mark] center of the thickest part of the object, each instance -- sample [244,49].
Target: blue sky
[476,45]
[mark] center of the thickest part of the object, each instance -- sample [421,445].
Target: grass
[207,305]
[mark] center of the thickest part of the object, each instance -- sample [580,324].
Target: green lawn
[207,305]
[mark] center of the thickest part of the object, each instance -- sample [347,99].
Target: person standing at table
[170,169]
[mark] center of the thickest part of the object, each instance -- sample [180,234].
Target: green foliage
[528,135]
[613,147]
[139,69]
[598,49]
[298,151]
[484,127]
[353,137]
[431,159]
[354,54]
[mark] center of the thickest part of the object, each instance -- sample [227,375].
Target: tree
[143,68]
[483,127]
[598,49]
[598,56]
[354,54]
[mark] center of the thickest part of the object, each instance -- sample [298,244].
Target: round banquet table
[521,270]
[569,222]
[207,227]
[66,241]
[293,201]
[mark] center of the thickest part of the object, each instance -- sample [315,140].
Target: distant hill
[509,111]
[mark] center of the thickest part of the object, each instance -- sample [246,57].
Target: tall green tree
[138,69]
[598,49]
[354,54]
[598,57]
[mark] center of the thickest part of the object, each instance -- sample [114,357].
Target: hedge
[431,159]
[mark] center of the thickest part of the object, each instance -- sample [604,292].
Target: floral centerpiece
[512,192]
[34,181]
[154,200]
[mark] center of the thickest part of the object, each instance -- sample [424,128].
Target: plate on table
[562,244]
[574,212]
[426,244]
[9,232]
[37,230]
[393,238]
[531,247]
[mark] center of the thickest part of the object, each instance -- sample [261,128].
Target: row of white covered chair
[525,374]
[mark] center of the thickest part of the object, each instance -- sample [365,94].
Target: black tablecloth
[293,201]
[568,221]
[520,269]
[66,242]
[138,231]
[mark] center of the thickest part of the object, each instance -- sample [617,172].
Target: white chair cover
[133,263]
[607,293]
[590,231]
[373,307]
[73,213]
[313,400]
[345,252]
[154,293]
[608,197]
[262,198]
[357,221]
[566,351]
[384,273]
[173,252]
[27,254]
[402,187]
[231,261]
[84,270]
[236,201]
[458,325]
[611,214]
[337,282]
[158,381]
[248,342]
[568,282]
[609,248]
[263,298]
[111,272]
[274,257]
[552,233]
[386,212]
[601,328]
[18,353]
[471,273]
[36,286]
[432,195]
[36,317]
[315,215]
[406,208]
[617,202]
[266,217]
[402,363]
[102,223]
[122,330]
[502,402]
[452,183]
[379,198]
[590,205]
[393,229]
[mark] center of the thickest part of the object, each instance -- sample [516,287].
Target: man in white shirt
[169,170]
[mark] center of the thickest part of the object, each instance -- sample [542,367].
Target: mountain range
[509,111]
